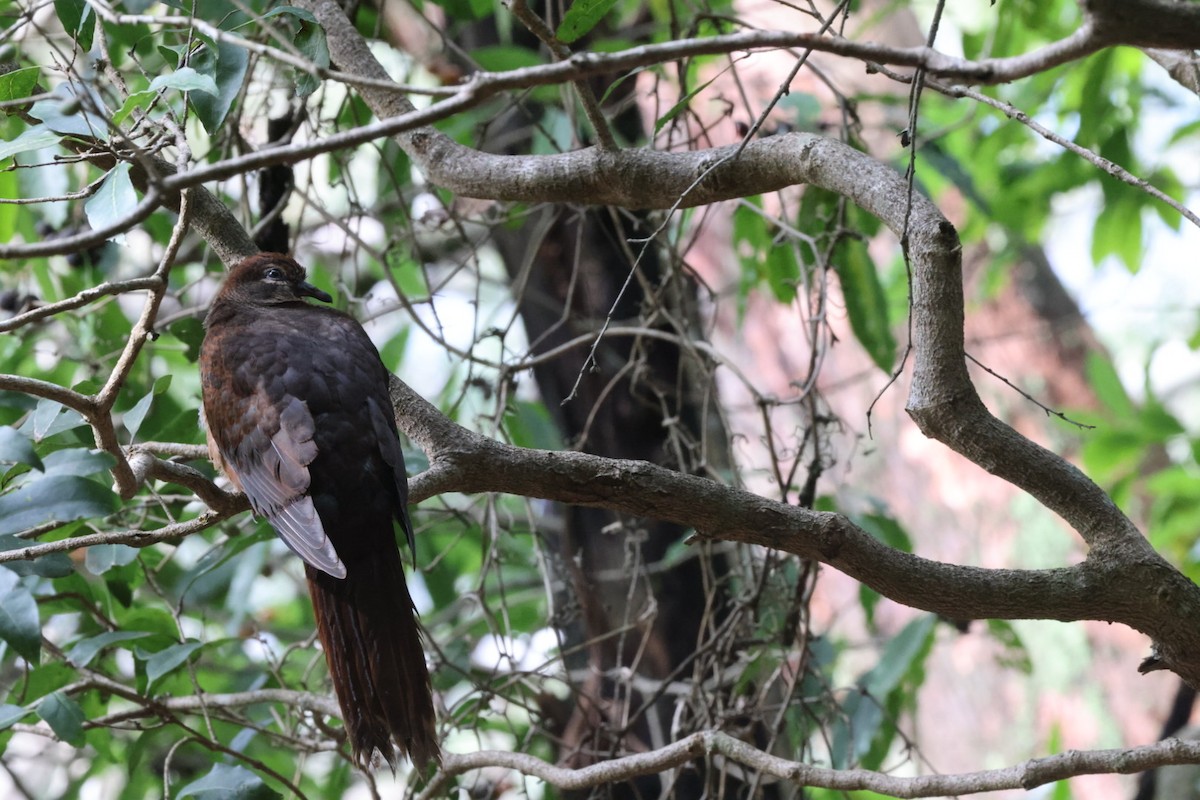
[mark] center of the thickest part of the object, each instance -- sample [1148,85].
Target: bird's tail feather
[373,647]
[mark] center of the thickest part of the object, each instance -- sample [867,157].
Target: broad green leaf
[310,41]
[113,201]
[228,782]
[226,64]
[32,138]
[79,461]
[18,84]
[16,448]
[190,331]
[45,679]
[866,303]
[1015,653]
[529,425]
[901,655]
[1118,232]
[886,530]
[151,619]
[64,716]
[103,557]
[82,653]
[291,11]
[782,271]
[65,113]
[10,715]
[1106,383]
[54,498]
[184,79]
[76,19]
[19,623]
[133,418]
[50,418]
[581,17]
[165,661]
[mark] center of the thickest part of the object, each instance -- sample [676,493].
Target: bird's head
[269,279]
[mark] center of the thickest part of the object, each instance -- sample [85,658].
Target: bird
[295,399]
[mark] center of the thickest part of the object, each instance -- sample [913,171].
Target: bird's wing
[389,448]
[273,472]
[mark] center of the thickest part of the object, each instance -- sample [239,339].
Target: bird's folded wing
[389,448]
[273,472]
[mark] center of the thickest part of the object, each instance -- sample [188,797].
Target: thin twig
[1050,412]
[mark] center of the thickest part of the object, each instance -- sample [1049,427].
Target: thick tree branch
[463,461]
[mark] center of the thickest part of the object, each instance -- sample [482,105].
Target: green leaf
[504,57]
[150,619]
[101,558]
[228,782]
[184,79]
[54,498]
[886,530]
[165,661]
[79,461]
[18,84]
[10,214]
[19,623]
[1015,653]
[1105,381]
[310,41]
[16,448]
[50,418]
[1118,232]
[466,10]
[113,201]
[65,113]
[133,418]
[11,715]
[82,653]
[75,17]
[581,17]
[64,716]
[226,64]
[190,331]
[674,110]
[291,11]
[866,303]
[902,653]
[782,271]
[529,425]
[32,138]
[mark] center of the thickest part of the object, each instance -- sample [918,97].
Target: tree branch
[134,538]
[1028,775]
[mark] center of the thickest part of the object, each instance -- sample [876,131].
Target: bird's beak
[306,289]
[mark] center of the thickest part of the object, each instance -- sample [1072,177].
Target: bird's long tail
[372,645]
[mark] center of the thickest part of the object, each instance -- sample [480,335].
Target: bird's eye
[273,274]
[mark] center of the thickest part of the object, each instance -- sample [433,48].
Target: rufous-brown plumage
[299,418]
